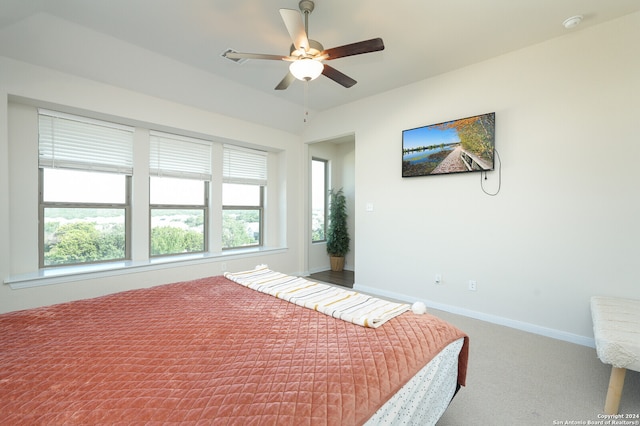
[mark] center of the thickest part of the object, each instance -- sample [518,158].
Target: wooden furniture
[616,328]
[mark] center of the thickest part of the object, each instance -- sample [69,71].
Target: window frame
[182,158]
[244,166]
[259,208]
[325,195]
[42,205]
[204,208]
[77,143]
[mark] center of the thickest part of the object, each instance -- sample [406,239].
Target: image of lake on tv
[425,156]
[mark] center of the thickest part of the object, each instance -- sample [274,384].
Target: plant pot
[337,263]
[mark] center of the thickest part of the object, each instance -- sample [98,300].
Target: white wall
[348,154]
[23,83]
[564,225]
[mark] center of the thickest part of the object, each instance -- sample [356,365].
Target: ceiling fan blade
[337,76]
[367,46]
[286,81]
[238,55]
[293,21]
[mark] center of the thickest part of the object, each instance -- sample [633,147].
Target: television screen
[458,146]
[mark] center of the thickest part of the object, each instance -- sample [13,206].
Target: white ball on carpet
[419,308]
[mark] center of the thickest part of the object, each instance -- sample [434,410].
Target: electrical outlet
[223,267]
[473,285]
[438,279]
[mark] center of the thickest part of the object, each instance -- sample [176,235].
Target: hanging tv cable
[499,177]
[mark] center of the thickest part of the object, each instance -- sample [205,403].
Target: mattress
[207,351]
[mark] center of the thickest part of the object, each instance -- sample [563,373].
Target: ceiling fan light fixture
[306,69]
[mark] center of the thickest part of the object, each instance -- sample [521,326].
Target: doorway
[339,153]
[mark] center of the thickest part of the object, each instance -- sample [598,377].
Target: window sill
[65,274]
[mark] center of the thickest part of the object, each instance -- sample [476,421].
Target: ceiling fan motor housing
[306,6]
[314,49]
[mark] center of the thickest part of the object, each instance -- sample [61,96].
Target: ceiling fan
[307,55]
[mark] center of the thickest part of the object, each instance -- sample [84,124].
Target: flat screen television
[457,146]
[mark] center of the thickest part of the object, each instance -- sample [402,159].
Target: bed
[211,351]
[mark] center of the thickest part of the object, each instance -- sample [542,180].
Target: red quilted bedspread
[205,351]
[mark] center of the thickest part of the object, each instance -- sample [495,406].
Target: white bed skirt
[425,397]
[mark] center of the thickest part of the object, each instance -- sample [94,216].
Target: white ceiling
[102,40]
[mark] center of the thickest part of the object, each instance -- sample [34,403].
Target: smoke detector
[572,22]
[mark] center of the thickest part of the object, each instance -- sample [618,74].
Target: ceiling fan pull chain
[306,101]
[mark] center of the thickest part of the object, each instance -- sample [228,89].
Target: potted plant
[337,234]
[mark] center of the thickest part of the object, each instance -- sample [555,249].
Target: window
[318,200]
[178,212]
[180,171]
[85,184]
[244,179]
[86,191]
[241,215]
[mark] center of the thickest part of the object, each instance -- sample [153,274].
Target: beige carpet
[519,378]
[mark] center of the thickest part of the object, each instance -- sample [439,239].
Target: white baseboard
[494,319]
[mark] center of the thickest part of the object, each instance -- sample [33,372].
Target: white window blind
[179,156]
[74,142]
[242,165]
